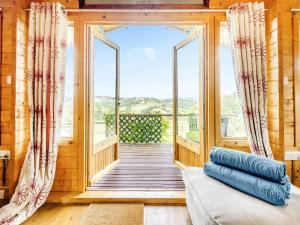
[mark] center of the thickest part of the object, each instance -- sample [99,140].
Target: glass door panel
[188,91]
[104,91]
[103,98]
[189,98]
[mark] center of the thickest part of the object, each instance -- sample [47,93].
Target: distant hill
[146,105]
[136,105]
[143,105]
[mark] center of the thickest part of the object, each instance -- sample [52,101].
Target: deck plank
[143,167]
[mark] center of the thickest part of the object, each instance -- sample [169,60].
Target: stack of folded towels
[255,175]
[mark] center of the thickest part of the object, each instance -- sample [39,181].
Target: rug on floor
[114,214]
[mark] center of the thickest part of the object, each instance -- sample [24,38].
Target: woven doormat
[114,214]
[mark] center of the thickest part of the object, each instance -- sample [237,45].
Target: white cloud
[150,53]
[147,52]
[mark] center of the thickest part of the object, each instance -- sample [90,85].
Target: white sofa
[210,202]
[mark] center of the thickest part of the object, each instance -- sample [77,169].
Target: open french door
[103,102]
[189,99]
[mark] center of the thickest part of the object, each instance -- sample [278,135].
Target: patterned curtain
[246,24]
[46,68]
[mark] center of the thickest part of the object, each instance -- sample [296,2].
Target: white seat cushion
[210,202]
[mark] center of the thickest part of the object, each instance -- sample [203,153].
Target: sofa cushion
[224,205]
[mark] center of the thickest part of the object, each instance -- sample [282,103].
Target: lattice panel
[137,128]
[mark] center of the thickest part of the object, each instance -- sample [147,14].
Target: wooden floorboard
[163,215]
[58,214]
[143,167]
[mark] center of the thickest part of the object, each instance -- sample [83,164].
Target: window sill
[236,142]
[66,142]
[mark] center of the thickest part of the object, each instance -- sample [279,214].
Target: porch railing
[158,128]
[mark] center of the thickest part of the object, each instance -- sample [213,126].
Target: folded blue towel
[266,190]
[257,165]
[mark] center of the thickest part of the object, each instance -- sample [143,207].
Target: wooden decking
[143,167]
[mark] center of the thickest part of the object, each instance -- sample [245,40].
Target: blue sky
[146,64]
[146,59]
[227,80]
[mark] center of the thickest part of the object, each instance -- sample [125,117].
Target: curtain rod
[295,10]
[148,10]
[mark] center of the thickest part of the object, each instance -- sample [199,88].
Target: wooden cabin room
[157,112]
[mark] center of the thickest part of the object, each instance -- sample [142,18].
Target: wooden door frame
[82,19]
[1,27]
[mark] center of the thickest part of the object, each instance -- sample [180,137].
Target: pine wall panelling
[7,72]
[274,96]
[69,176]
[288,45]
[21,114]
[14,130]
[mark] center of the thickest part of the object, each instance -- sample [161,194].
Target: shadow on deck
[143,167]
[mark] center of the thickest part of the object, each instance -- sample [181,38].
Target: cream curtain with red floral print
[46,68]
[246,24]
